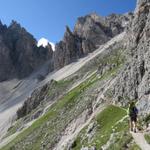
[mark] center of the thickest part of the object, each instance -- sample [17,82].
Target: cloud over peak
[44,42]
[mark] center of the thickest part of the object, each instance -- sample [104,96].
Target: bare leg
[134,126]
[131,125]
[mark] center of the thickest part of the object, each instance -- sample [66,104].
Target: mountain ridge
[20,55]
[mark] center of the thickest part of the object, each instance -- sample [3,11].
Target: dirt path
[140,141]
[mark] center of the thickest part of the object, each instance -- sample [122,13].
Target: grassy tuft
[147,138]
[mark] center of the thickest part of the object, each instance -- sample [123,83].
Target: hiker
[133,112]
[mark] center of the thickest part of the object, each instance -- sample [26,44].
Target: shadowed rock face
[89,32]
[67,50]
[19,55]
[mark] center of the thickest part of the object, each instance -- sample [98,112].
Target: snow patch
[44,42]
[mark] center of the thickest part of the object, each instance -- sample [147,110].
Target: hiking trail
[140,140]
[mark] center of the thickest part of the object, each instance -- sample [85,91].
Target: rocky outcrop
[19,55]
[89,33]
[117,23]
[47,93]
[134,81]
[67,50]
[33,101]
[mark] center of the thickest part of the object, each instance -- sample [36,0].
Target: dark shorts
[133,118]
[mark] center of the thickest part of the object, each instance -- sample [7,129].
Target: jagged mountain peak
[15,25]
[92,15]
[96,17]
[68,32]
[21,52]
[1,24]
[87,20]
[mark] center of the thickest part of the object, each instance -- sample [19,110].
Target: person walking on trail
[133,112]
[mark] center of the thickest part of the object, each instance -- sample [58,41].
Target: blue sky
[48,18]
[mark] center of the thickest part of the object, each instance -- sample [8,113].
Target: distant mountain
[19,54]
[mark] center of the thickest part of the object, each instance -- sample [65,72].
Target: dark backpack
[133,111]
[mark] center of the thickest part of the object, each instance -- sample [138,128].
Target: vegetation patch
[111,132]
[147,138]
[106,124]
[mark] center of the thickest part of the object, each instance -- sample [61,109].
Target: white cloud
[44,42]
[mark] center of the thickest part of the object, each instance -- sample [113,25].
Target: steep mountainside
[82,106]
[134,81]
[19,55]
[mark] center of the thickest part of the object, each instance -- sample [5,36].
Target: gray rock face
[117,23]
[101,29]
[86,148]
[92,28]
[67,50]
[134,81]
[31,103]
[19,55]
[89,32]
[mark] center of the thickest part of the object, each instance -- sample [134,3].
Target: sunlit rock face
[89,33]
